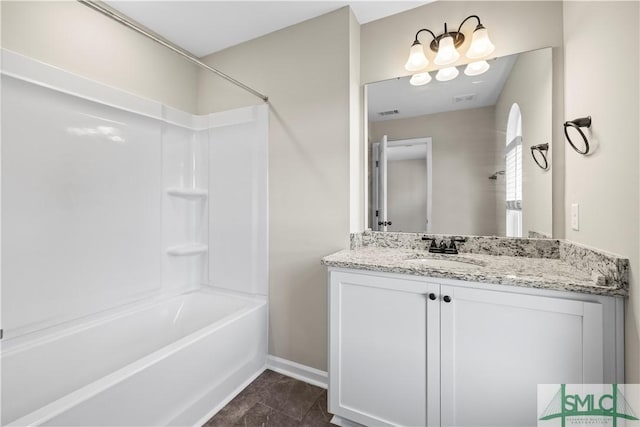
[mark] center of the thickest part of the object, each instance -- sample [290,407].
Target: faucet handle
[452,249]
[433,247]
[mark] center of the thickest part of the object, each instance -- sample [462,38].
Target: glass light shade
[476,68]
[447,53]
[417,61]
[481,46]
[420,79]
[446,74]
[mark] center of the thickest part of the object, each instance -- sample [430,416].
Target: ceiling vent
[389,113]
[464,98]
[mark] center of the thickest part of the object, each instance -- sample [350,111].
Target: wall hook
[577,124]
[541,158]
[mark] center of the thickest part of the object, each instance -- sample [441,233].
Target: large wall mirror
[455,157]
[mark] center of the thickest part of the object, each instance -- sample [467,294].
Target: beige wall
[304,69]
[463,152]
[73,37]
[357,187]
[605,184]
[530,86]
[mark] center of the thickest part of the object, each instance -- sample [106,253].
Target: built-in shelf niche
[187,249]
[188,193]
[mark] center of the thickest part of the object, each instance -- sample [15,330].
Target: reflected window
[513,172]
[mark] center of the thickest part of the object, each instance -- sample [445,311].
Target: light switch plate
[575,216]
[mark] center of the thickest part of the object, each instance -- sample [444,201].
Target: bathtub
[172,361]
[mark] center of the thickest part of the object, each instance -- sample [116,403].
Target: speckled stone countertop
[543,273]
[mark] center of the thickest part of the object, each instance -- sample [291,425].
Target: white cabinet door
[378,348]
[497,346]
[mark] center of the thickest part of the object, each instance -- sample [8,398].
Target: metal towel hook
[577,124]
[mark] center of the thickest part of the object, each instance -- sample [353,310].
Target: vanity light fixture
[446,74]
[446,46]
[476,68]
[420,79]
[417,60]
[447,53]
[481,46]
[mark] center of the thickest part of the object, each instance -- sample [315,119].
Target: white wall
[530,86]
[463,158]
[78,39]
[304,69]
[601,80]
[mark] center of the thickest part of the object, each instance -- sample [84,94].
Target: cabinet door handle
[432,296]
[447,298]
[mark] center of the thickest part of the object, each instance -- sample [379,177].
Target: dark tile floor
[275,400]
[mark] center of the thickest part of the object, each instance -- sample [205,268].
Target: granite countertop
[543,273]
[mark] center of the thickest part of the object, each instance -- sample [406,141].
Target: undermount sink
[445,263]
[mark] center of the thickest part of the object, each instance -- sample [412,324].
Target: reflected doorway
[402,185]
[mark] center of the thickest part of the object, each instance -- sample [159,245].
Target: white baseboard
[298,371]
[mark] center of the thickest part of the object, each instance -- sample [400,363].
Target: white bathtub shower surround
[81,210]
[134,253]
[162,364]
[184,223]
[238,177]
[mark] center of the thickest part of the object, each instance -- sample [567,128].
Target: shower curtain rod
[107,11]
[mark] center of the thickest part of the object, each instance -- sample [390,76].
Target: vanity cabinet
[413,351]
[379,344]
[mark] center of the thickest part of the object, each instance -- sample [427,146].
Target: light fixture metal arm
[424,29]
[470,17]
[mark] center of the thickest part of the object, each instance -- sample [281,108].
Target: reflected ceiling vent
[464,98]
[388,113]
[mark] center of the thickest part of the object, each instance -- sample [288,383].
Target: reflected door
[380,222]
[402,193]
